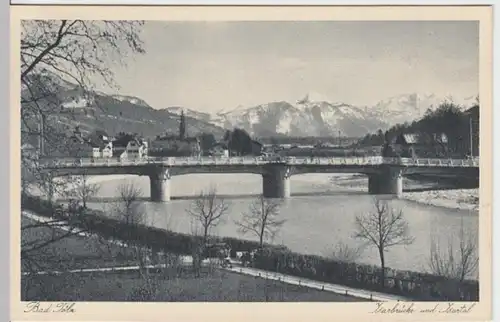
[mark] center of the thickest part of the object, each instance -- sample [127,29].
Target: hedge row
[415,285]
[419,286]
[157,239]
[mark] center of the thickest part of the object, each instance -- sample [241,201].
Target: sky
[212,66]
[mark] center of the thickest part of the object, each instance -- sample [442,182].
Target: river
[318,215]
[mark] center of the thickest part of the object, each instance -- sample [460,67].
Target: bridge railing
[172,161]
[335,161]
[440,162]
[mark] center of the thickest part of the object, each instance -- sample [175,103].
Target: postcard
[251,162]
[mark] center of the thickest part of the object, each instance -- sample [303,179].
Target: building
[175,146]
[100,135]
[404,144]
[219,150]
[103,141]
[425,145]
[107,150]
[129,147]
[81,147]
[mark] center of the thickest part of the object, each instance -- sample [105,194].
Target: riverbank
[90,268]
[462,199]
[409,283]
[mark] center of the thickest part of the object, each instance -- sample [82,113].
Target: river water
[318,215]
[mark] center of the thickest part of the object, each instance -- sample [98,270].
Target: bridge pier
[159,183]
[387,182]
[276,181]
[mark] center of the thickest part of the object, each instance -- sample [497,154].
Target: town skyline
[213,66]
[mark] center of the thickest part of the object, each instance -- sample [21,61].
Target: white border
[496,72]
[250,2]
[496,174]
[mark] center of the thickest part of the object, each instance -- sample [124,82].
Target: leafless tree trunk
[455,262]
[85,190]
[196,247]
[208,210]
[262,219]
[383,228]
[345,253]
[129,204]
[53,54]
[64,54]
[56,55]
[129,210]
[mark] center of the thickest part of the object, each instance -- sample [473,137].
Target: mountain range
[313,115]
[70,106]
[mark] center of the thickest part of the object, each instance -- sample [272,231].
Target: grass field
[217,286]
[69,252]
[173,284]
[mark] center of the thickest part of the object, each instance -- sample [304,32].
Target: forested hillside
[449,118]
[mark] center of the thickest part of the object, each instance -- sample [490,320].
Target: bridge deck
[173,162]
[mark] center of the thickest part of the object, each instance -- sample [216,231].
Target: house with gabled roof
[425,145]
[129,147]
[101,140]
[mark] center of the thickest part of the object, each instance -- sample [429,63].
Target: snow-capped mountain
[410,107]
[316,115]
[310,116]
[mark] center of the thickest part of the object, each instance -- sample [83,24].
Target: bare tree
[208,210]
[129,210]
[65,54]
[455,262]
[76,49]
[85,190]
[345,253]
[60,56]
[51,186]
[129,206]
[383,228]
[56,55]
[261,219]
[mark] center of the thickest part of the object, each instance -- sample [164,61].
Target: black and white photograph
[250,161]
